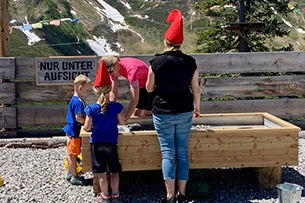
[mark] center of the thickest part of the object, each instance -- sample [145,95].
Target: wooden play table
[230,140]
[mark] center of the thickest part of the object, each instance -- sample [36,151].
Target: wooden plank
[7,68]
[210,153]
[49,132]
[51,115]
[86,157]
[219,147]
[30,92]
[42,115]
[244,161]
[235,87]
[7,93]
[283,108]
[241,87]
[254,62]
[8,134]
[276,120]
[25,68]
[213,63]
[230,119]
[8,117]
[229,87]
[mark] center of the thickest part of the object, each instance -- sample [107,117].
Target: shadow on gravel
[227,185]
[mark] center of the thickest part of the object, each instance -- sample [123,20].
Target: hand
[196,114]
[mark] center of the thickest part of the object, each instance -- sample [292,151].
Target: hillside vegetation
[70,39]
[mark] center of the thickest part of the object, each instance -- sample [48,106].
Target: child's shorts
[104,156]
[74,146]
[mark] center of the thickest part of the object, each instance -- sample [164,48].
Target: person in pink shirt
[135,71]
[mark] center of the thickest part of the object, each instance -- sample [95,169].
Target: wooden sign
[63,70]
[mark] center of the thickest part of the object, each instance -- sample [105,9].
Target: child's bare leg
[72,165]
[115,182]
[103,183]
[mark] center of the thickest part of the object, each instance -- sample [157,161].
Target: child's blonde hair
[103,92]
[81,80]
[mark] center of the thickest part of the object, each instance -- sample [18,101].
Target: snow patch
[300,30]
[126,4]
[286,22]
[112,13]
[100,46]
[141,17]
[32,37]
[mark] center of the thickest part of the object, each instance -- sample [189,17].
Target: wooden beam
[243,25]
[4,34]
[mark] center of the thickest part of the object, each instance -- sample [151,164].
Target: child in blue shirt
[75,118]
[102,119]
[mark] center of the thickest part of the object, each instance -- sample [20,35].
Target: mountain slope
[108,26]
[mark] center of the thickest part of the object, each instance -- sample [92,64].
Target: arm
[150,83]
[114,89]
[196,94]
[88,123]
[121,120]
[79,118]
[134,93]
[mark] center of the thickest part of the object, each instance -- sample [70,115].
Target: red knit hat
[175,31]
[102,76]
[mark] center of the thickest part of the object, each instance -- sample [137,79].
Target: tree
[215,38]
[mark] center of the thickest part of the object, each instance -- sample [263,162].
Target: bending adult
[173,76]
[135,71]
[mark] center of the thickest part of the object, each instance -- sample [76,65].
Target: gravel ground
[38,175]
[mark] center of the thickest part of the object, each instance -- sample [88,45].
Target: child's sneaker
[116,198]
[68,176]
[77,180]
[102,198]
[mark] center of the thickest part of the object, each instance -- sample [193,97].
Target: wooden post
[4,39]
[269,177]
[4,34]
[243,46]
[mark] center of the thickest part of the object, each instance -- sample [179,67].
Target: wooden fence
[270,82]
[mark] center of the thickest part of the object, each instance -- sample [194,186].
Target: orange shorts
[74,145]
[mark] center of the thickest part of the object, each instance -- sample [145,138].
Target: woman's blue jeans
[173,133]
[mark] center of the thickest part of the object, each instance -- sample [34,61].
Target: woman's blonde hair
[103,93]
[172,46]
[110,60]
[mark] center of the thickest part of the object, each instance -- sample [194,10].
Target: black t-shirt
[173,75]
